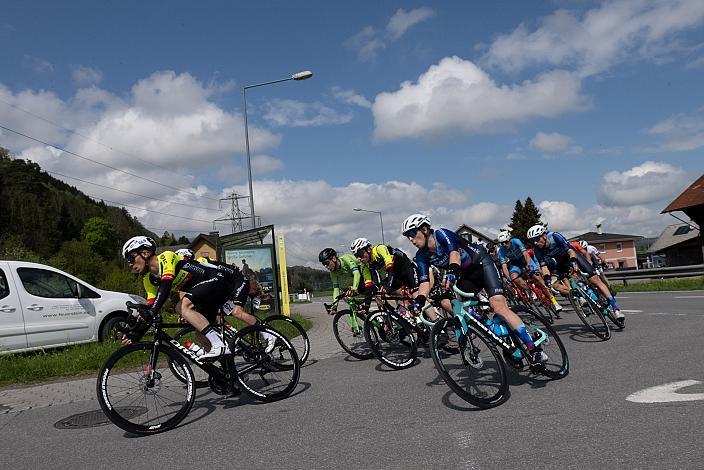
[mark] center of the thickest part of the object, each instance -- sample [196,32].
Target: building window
[621,264]
[206,254]
[619,247]
[602,248]
[683,230]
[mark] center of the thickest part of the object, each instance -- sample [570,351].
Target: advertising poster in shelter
[256,263]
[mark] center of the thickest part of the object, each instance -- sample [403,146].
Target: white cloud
[403,20]
[369,40]
[550,142]
[682,132]
[38,65]
[350,97]
[643,184]
[366,43]
[298,114]
[262,164]
[697,63]
[599,38]
[457,96]
[84,75]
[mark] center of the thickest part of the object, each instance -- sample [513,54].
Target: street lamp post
[380,220]
[296,76]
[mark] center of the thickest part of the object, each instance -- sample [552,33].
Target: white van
[43,307]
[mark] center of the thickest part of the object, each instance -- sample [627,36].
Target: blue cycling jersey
[447,241]
[514,254]
[557,247]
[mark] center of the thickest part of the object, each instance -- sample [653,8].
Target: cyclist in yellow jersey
[208,287]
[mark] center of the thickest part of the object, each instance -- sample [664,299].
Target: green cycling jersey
[350,265]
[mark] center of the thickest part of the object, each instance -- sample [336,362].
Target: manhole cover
[96,418]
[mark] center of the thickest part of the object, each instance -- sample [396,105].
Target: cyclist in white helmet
[467,264]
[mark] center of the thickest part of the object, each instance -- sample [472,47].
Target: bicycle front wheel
[473,368]
[557,365]
[391,339]
[266,370]
[349,332]
[293,331]
[590,314]
[140,393]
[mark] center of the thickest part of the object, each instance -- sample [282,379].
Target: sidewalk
[322,345]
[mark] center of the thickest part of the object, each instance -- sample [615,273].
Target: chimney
[598,229]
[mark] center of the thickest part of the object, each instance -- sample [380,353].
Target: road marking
[689,297]
[659,313]
[631,311]
[666,393]
[464,439]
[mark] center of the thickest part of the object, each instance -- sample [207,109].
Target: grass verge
[73,361]
[696,283]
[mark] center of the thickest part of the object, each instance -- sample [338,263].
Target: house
[618,250]
[206,246]
[680,244]
[472,235]
[161,249]
[691,202]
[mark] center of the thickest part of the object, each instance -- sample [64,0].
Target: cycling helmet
[360,244]
[504,236]
[185,252]
[326,254]
[536,231]
[136,243]
[583,244]
[490,247]
[414,221]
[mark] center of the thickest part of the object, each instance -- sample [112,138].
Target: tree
[525,215]
[167,239]
[101,237]
[183,240]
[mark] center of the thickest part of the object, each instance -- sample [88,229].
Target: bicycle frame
[465,319]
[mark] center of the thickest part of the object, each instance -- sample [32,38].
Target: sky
[451,109]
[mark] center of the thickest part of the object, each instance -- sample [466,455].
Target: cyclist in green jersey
[346,264]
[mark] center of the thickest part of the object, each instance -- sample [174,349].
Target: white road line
[623,310]
[689,297]
[666,393]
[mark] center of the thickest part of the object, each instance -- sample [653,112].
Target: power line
[73,131]
[148,210]
[134,194]
[104,164]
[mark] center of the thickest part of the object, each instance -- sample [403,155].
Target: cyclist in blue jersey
[515,260]
[467,264]
[555,245]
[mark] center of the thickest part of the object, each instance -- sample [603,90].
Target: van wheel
[110,332]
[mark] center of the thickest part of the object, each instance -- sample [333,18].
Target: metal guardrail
[656,273]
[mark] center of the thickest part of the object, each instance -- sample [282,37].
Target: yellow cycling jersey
[169,269]
[381,257]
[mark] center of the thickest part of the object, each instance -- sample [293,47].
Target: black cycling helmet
[326,254]
[490,247]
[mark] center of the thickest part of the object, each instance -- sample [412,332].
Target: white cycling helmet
[135,243]
[185,252]
[583,244]
[504,236]
[360,244]
[535,231]
[414,221]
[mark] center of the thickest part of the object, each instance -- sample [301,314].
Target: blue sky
[457,109]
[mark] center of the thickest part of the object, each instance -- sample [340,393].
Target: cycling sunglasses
[410,233]
[132,257]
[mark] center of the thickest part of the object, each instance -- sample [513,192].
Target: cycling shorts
[518,269]
[209,295]
[482,276]
[562,269]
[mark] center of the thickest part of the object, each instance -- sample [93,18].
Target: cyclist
[553,244]
[515,261]
[346,264]
[184,253]
[207,287]
[598,263]
[467,264]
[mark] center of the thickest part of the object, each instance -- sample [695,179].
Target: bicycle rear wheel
[264,373]
[141,398]
[293,331]
[391,339]
[474,368]
[557,365]
[349,332]
[590,314]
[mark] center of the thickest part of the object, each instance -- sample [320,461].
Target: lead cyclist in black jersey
[208,287]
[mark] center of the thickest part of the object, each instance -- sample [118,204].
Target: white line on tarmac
[689,297]
[631,311]
[666,393]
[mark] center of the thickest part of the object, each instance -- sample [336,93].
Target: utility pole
[235,215]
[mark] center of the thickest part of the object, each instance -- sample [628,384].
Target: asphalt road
[351,414]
